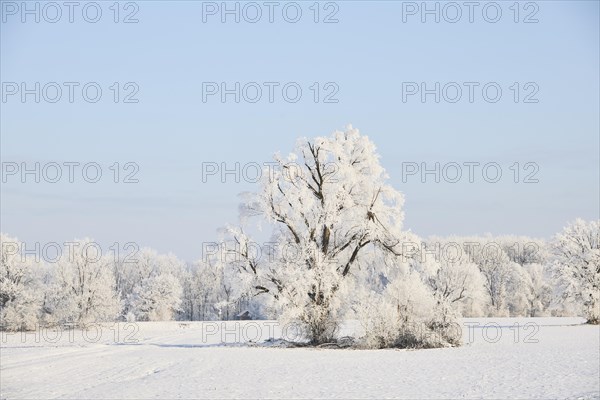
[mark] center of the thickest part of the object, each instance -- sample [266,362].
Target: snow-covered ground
[524,358]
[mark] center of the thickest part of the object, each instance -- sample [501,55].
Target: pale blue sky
[368,53]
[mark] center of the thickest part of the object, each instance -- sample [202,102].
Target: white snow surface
[216,360]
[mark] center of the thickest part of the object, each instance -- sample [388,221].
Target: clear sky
[366,56]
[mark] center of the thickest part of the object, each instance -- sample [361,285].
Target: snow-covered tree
[150,286]
[20,290]
[539,289]
[201,292]
[212,291]
[82,289]
[458,283]
[513,280]
[332,211]
[497,270]
[529,286]
[523,249]
[144,264]
[157,298]
[193,298]
[577,265]
[520,294]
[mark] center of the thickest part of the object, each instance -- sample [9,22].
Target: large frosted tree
[577,265]
[331,209]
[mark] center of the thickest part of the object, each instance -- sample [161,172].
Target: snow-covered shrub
[20,290]
[406,314]
[576,266]
[314,302]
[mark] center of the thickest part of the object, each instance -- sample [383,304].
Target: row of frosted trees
[337,251]
[478,276]
[83,286]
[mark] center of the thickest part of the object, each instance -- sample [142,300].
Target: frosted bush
[406,315]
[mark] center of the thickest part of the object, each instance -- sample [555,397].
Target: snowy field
[524,358]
